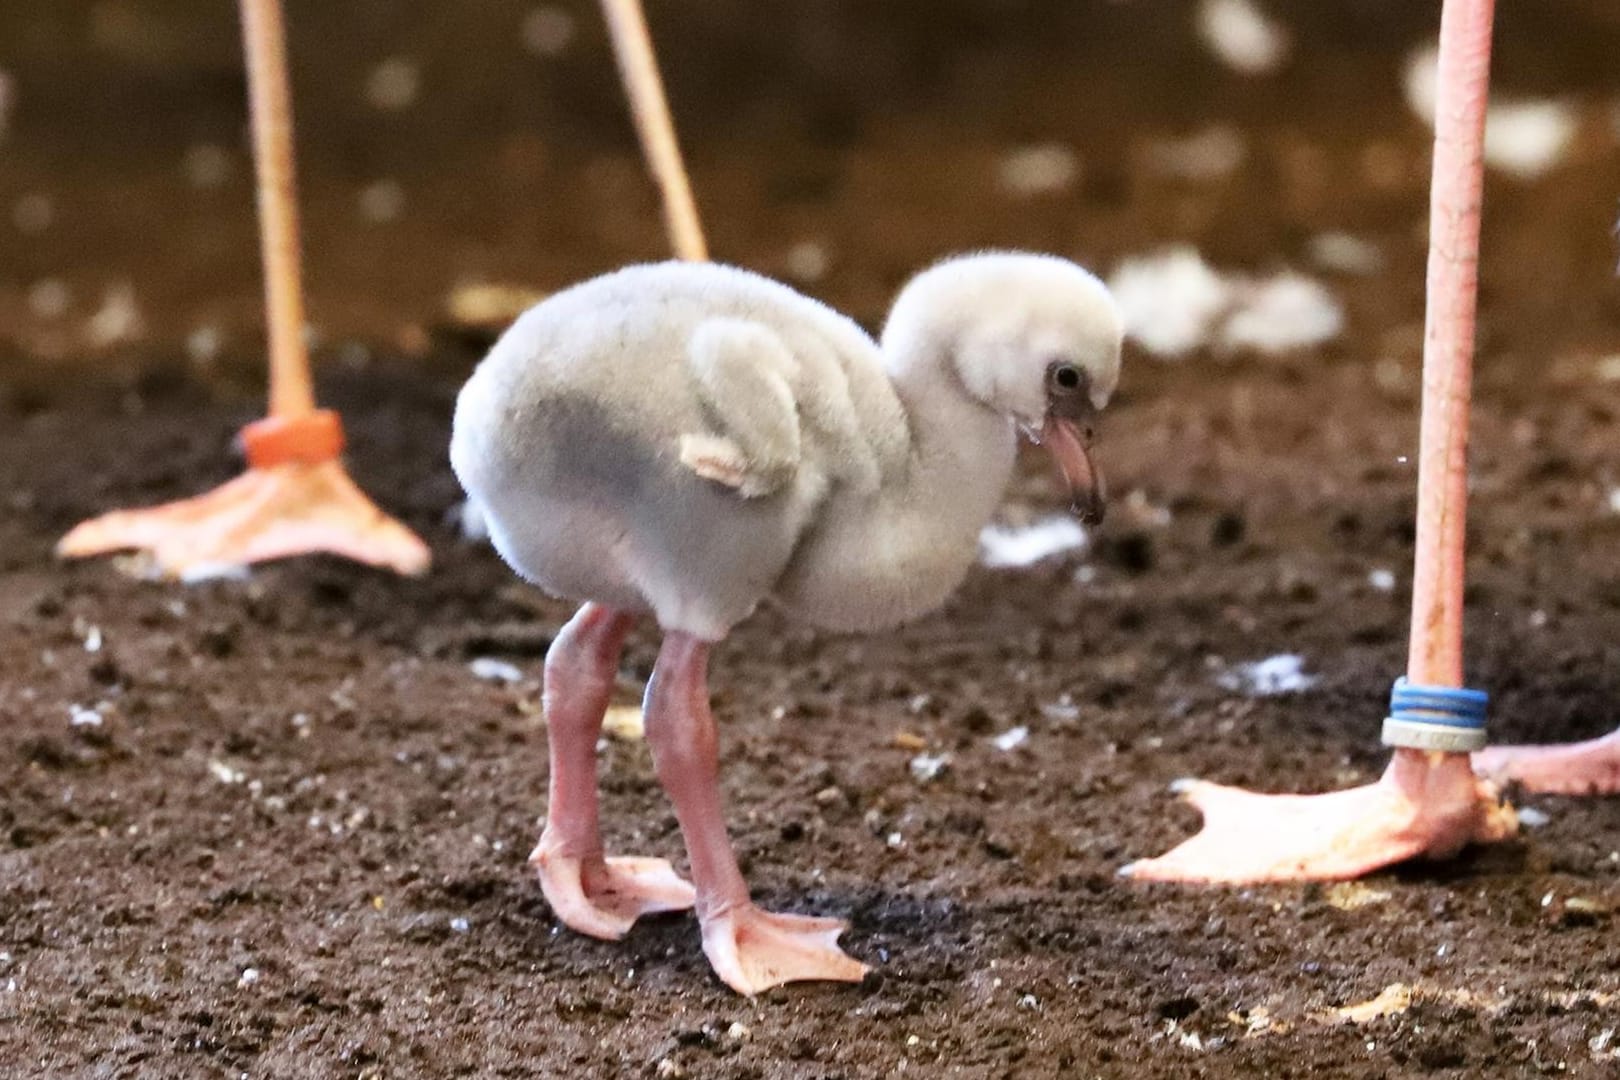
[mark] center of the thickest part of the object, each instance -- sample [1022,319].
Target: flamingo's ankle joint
[311,439]
[1443,718]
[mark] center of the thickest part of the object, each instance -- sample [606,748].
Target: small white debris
[49,298]
[382,201]
[224,773]
[1528,138]
[1537,619]
[1608,368]
[1046,169]
[926,768]
[1004,546]
[492,670]
[249,977]
[1419,81]
[895,841]
[1282,314]
[213,571]
[1599,1044]
[547,31]
[1063,710]
[81,717]
[1170,300]
[1029,1003]
[1210,154]
[1382,580]
[33,214]
[460,925]
[1524,138]
[393,84]
[203,345]
[1341,253]
[1614,500]
[118,319]
[807,261]
[1281,674]
[1242,36]
[1531,818]
[669,1069]
[206,166]
[1142,511]
[738,1033]
[93,640]
[1011,739]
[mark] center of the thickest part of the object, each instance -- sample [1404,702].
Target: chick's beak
[1067,438]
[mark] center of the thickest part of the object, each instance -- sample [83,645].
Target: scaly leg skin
[751,950]
[1425,804]
[595,895]
[1583,768]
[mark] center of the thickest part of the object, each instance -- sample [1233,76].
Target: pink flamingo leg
[588,892]
[296,498]
[1583,768]
[750,949]
[1426,803]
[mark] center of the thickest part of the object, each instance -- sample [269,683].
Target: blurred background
[837,143]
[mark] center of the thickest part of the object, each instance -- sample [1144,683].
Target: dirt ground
[292,841]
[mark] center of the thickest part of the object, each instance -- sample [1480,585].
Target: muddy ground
[293,844]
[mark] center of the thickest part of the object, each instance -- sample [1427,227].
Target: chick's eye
[1066,377]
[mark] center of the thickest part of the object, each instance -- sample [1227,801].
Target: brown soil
[298,774]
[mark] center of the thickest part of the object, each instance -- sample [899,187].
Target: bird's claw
[1249,837]
[753,950]
[602,898]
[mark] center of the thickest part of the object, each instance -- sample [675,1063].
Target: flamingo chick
[687,440]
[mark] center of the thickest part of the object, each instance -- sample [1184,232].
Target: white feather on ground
[1005,546]
[1174,303]
[1280,674]
[1281,314]
[1242,36]
[1170,301]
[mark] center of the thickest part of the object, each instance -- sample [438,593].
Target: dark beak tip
[1092,512]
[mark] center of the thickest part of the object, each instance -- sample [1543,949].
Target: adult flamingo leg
[590,892]
[296,498]
[750,949]
[1427,803]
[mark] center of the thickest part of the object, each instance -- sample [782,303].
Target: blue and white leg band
[1436,718]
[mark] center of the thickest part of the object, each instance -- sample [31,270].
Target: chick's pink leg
[588,892]
[1584,768]
[751,950]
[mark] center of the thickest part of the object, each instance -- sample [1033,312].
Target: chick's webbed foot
[753,950]
[603,897]
[1583,768]
[1418,808]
